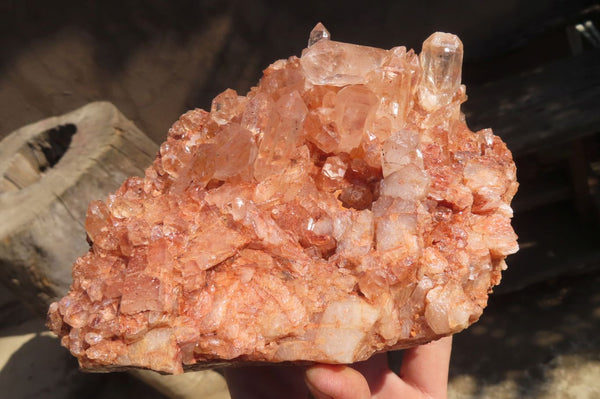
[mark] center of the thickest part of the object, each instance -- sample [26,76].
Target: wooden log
[49,172]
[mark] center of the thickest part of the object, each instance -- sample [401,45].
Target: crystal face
[341,208]
[441,61]
[319,32]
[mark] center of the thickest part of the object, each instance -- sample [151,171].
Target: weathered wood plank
[548,106]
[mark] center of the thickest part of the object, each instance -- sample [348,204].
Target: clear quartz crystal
[328,62]
[393,83]
[441,60]
[319,32]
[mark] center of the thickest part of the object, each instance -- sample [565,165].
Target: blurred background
[532,70]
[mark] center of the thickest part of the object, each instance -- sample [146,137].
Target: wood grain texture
[548,106]
[42,212]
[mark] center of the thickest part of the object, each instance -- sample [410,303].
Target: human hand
[424,374]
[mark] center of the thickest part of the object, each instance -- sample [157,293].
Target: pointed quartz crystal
[319,32]
[394,84]
[441,60]
[328,62]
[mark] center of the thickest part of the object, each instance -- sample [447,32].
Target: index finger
[426,367]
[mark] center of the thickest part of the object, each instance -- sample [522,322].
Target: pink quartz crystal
[341,208]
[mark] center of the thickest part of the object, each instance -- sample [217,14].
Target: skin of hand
[424,374]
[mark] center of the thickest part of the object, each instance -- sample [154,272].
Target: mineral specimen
[341,208]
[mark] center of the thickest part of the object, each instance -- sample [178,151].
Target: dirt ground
[538,338]
[540,342]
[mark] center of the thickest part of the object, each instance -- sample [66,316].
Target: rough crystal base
[341,208]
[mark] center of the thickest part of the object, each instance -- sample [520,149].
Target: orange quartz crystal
[341,208]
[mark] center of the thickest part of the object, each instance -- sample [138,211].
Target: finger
[336,382]
[426,367]
[383,382]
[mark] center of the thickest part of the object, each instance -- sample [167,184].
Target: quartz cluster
[341,208]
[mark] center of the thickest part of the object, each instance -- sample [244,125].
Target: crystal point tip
[319,32]
[448,41]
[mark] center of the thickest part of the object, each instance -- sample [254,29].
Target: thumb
[336,382]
